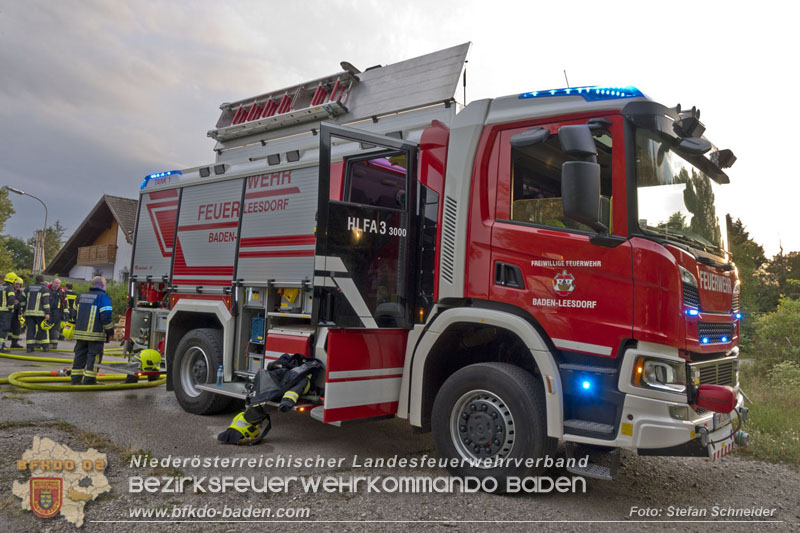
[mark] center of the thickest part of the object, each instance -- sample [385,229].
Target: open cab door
[365,265]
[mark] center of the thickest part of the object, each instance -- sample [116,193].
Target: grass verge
[774,423]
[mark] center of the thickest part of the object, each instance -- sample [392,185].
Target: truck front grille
[690,296]
[721,372]
[735,304]
[714,332]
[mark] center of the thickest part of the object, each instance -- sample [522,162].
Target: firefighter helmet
[244,427]
[149,359]
[20,280]
[11,278]
[21,321]
[69,331]
[46,325]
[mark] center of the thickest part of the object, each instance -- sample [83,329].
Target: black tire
[501,407]
[197,359]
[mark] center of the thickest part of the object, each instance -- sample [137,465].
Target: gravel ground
[152,420]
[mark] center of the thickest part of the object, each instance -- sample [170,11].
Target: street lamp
[44,228]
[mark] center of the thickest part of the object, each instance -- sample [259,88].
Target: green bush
[785,376]
[776,335]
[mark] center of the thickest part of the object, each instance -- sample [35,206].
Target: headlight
[659,374]
[687,277]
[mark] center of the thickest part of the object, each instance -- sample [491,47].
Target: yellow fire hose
[40,380]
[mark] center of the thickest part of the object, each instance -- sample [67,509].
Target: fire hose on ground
[45,380]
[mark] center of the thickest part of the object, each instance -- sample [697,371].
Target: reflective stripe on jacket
[94,316]
[37,300]
[8,298]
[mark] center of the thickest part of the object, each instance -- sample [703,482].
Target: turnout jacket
[37,300]
[8,298]
[94,316]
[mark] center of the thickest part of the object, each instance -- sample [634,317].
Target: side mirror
[580,193]
[577,141]
[580,180]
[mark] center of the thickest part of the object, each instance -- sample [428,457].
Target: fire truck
[541,267]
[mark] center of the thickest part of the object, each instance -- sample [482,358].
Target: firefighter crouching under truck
[37,310]
[8,300]
[93,328]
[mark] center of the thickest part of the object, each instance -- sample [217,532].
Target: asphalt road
[152,420]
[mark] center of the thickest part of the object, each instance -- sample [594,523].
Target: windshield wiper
[700,259]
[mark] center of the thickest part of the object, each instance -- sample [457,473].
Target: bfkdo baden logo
[564,283]
[61,480]
[46,495]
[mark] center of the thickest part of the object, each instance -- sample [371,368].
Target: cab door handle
[507,275]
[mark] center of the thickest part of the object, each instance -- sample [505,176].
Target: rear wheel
[197,358]
[490,413]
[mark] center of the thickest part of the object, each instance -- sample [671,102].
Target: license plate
[723,447]
[721,419]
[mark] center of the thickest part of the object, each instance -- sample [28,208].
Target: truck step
[586,425]
[234,390]
[317,412]
[602,464]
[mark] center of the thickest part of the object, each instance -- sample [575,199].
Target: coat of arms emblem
[564,283]
[46,496]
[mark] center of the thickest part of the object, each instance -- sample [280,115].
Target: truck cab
[539,267]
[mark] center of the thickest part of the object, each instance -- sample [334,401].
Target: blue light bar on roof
[590,94]
[159,175]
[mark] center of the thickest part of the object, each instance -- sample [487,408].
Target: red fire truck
[521,270]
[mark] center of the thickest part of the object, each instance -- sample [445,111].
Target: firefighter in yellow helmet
[17,321]
[8,299]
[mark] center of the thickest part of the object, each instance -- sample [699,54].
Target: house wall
[114,271]
[124,254]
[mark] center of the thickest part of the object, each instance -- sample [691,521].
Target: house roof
[107,210]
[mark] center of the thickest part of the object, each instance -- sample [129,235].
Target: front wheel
[488,416]
[197,358]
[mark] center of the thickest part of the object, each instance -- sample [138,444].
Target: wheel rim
[481,426]
[194,370]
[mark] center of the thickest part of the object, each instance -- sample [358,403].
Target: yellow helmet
[11,278]
[244,427]
[46,325]
[150,360]
[21,321]
[19,280]
[69,331]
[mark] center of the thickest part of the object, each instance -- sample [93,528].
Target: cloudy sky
[94,95]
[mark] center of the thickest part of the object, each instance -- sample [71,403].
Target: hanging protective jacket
[284,380]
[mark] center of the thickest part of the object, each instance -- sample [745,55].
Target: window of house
[536,183]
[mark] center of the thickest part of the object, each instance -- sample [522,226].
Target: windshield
[676,199]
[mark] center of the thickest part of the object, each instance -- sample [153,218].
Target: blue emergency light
[586,384]
[692,312]
[704,340]
[159,175]
[738,316]
[590,94]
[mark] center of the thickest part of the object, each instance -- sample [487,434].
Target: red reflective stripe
[161,195]
[213,282]
[209,270]
[272,192]
[359,411]
[212,225]
[364,378]
[282,240]
[279,253]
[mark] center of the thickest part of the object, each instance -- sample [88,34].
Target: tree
[6,210]
[21,253]
[758,294]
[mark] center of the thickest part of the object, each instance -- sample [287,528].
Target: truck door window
[536,183]
[377,181]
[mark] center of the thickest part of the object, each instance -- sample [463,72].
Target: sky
[94,95]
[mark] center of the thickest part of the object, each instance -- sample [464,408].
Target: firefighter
[16,316]
[57,306]
[70,297]
[8,299]
[93,328]
[36,304]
